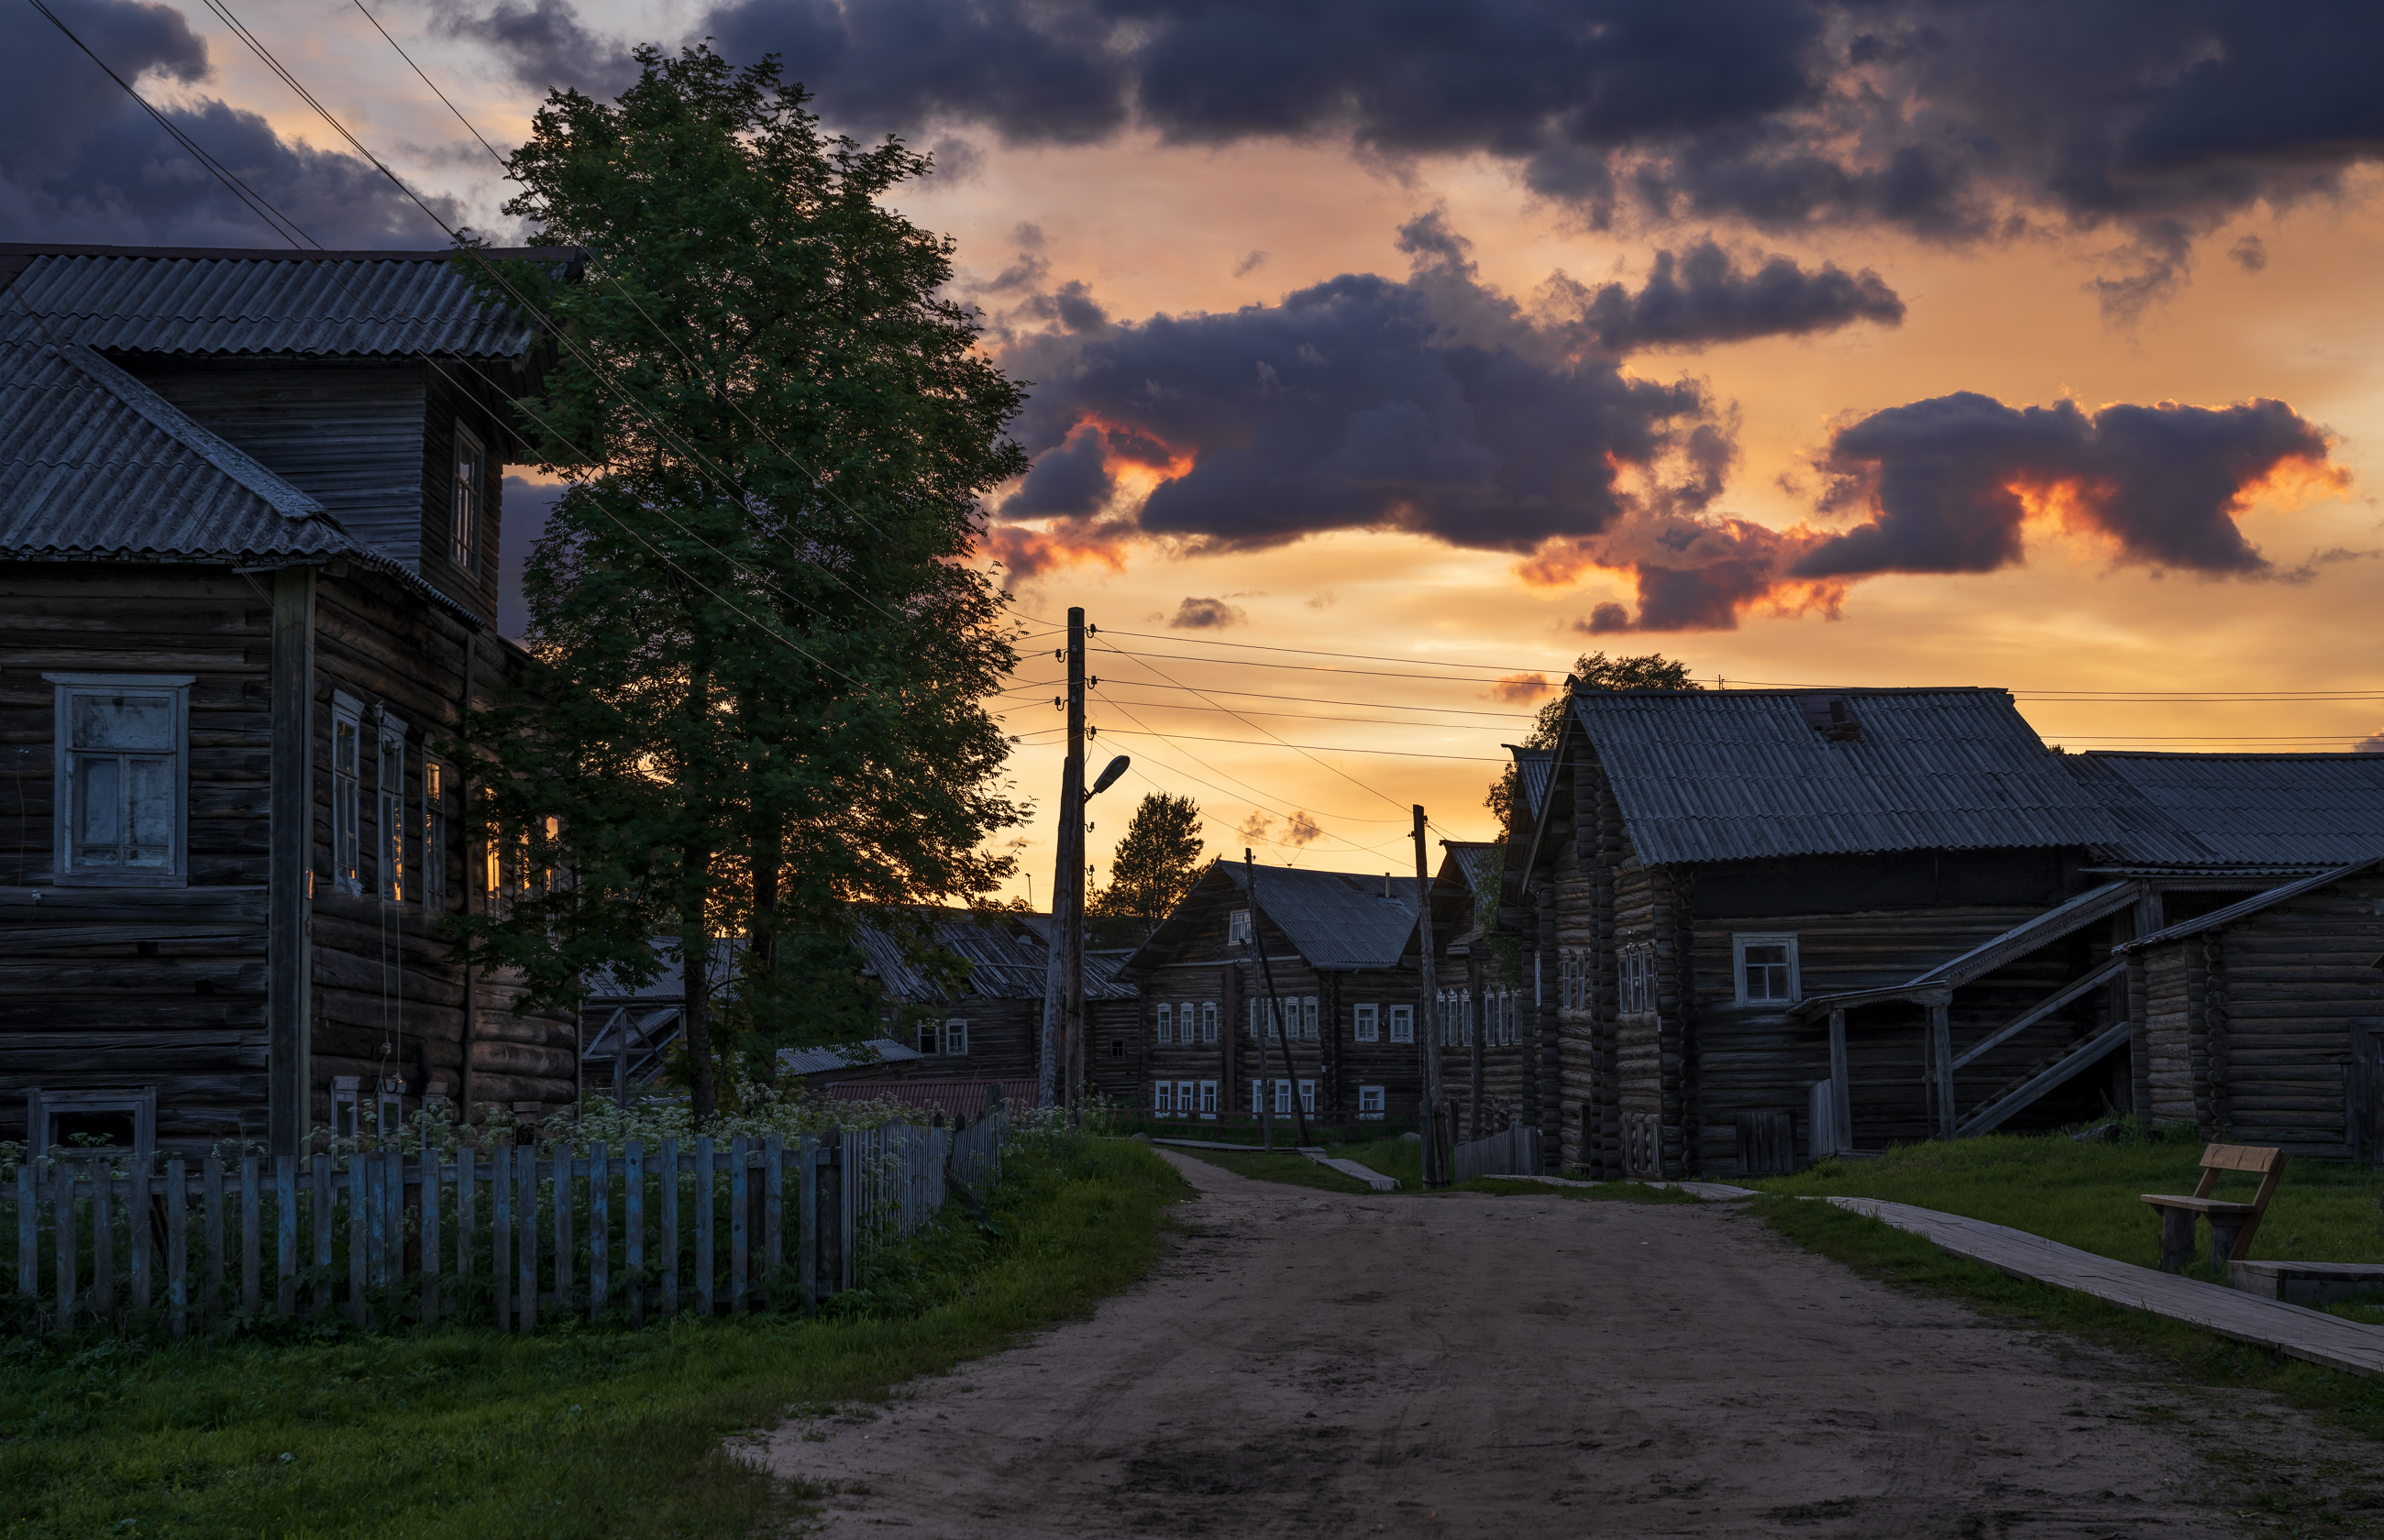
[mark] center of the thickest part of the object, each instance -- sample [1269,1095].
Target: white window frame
[1637,994]
[1741,940]
[1163,1099]
[1366,1023]
[1370,1103]
[465,498]
[1308,1019]
[389,810]
[1185,1092]
[1308,1097]
[1403,1024]
[931,1038]
[1281,1098]
[1209,1021]
[44,1106]
[1258,1098]
[1209,1100]
[347,793]
[434,836]
[1166,1025]
[956,1043]
[176,873]
[1237,928]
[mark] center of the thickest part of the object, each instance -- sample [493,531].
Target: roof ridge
[171,420]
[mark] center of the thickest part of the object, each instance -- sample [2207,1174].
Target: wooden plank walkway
[2293,1330]
[1365,1174]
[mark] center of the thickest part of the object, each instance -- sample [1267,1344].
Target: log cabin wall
[124,987]
[1004,1039]
[2171,1025]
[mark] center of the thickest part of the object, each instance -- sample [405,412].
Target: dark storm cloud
[1949,482]
[543,43]
[79,161]
[526,507]
[1954,121]
[1703,297]
[1206,615]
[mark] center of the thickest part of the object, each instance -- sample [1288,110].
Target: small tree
[1154,867]
[1594,671]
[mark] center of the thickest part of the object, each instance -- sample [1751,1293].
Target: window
[1166,1023]
[1767,969]
[1307,1020]
[1117,1048]
[1369,1102]
[1209,1022]
[117,1119]
[1307,1096]
[1465,1018]
[345,1121]
[1283,1097]
[1163,1099]
[463,526]
[1638,979]
[1185,1098]
[956,1037]
[1403,1024]
[122,778]
[389,810]
[1207,1099]
[434,836]
[347,792]
[1258,1096]
[1238,927]
[928,1034]
[1367,1024]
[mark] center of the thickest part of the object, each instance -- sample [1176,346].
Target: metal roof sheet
[1743,774]
[1534,768]
[2252,905]
[845,1056]
[1336,919]
[1006,960]
[95,464]
[2237,810]
[183,300]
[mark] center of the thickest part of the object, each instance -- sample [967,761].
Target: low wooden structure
[2233,1223]
[249,524]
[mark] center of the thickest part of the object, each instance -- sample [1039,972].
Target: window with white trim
[1166,1028]
[1403,1024]
[1366,1025]
[1257,1098]
[1238,927]
[1636,965]
[1307,1096]
[434,836]
[956,1037]
[1308,1019]
[1766,966]
[1209,1025]
[389,810]
[347,792]
[1369,1102]
[1186,1093]
[1207,1099]
[122,778]
[463,522]
[1282,1098]
[930,1035]
[1163,1099]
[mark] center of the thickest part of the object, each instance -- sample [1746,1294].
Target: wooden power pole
[1061,1063]
[1273,1008]
[1436,1174]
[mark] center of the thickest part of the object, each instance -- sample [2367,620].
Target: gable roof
[1741,775]
[1334,919]
[1007,959]
[232,301]
[2252,905]
[1534,768]
[2214,809]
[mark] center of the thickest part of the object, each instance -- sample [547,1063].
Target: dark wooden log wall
[109,988]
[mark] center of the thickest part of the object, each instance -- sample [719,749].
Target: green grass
[561,1435]
[2088,1195]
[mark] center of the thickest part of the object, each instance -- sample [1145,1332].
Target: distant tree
[1155,866]
[1594,671]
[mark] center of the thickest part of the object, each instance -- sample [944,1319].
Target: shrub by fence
[502,1237]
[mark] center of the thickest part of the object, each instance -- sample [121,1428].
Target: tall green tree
[1594,671]
[761,651]
[1155,864]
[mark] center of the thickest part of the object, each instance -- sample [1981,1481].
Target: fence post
[740,1253]
[178,1248]
[828,1213]
[525,1250]
[600,1229]
[137,1210]
[211,1199]
[807,1223]
[320,1214]
[501,1234]
[670,1227]
[633,1226]
[467,1202]
[429,1236]
[28,1226]
[285,1235]
[359,1233]
[774,1252]
[252,1226]
[704,1168]
[849,1180]
[103,1238]
[563,1172]
[62,1186]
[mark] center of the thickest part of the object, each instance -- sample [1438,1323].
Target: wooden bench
[2232,1225]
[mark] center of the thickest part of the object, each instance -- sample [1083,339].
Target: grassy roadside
[563,1435]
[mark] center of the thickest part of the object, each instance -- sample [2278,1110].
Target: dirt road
[1311,1364]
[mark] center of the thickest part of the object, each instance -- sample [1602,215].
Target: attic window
[1833,716]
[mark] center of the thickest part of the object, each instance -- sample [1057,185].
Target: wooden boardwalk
[2293,1330]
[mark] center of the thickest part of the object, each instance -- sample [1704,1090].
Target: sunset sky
[2024,345]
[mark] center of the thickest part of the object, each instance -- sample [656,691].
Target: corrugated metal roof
[1477,861]
[95,464]
[1006,960]
[1741,775]
[2213,810]
[961,1100]
[845,1056]
[1337,919]
[314,304]
[1534,768]
[2252,905]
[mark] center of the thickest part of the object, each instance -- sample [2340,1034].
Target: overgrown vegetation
[580,1433]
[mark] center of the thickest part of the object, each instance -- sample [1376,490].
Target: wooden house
[1318,969]
[1785,923]
[973,1004]
[248,522]
[1484,1006]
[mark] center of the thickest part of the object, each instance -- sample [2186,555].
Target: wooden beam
[1941,1061]
[1991,1116]
[2042,1009]
[289,1093]
[1841,1104]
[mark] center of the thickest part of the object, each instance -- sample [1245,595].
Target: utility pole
[1436,1174]
[1273,1008]
[1064,984]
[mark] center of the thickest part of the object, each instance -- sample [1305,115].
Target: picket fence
[1512,1151]
[500,1236]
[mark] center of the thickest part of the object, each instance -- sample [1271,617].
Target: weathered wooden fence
[502,1237]
[1514,1151]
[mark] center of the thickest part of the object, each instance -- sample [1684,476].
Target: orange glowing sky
[1151,229]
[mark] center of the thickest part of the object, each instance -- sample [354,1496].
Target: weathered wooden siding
[2171,1025]
[107,987]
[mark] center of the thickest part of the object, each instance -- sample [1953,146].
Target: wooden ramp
[2293,1330]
